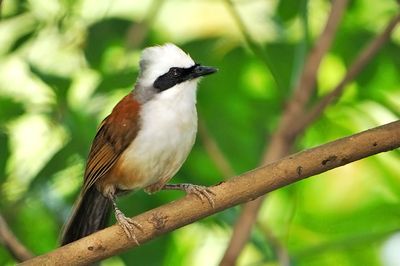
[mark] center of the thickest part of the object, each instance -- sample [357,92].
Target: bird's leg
[126,223]
[201,192]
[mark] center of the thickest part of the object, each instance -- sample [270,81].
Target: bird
[142,143]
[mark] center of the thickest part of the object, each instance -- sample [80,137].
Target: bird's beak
[200,71]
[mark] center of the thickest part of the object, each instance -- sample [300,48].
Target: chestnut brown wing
[114,135]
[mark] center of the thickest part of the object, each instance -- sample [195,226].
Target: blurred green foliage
[64,64]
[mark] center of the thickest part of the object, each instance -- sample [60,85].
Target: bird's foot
[201,192]
[127,224]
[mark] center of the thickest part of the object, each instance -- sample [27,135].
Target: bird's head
[164,67]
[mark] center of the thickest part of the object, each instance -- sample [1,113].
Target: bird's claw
[127,224]
[201,192]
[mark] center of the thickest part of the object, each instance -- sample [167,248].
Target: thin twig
[357,66]
[306,83]
[284,137]
[237,190]
[10,241]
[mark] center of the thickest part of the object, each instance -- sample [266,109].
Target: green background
[64,65]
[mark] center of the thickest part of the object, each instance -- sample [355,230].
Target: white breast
[167,134]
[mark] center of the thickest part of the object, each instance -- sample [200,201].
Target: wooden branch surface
[11,242]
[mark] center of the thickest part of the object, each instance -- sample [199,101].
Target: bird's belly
[157,153]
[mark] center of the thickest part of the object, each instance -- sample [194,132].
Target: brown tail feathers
[90,214]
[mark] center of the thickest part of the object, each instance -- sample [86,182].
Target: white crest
[157,60]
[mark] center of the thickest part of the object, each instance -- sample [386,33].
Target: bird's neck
[181,98]
[172,111]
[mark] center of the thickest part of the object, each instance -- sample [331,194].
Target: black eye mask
[176,75]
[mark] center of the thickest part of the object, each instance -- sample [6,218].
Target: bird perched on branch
[142,143]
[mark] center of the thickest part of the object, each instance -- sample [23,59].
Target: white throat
[181,96]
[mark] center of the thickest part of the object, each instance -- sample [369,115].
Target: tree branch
[10,241]
[237,190]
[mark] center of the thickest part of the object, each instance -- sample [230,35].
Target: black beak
[199,71]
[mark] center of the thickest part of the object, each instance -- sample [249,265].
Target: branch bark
[11,242]
[237,190]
